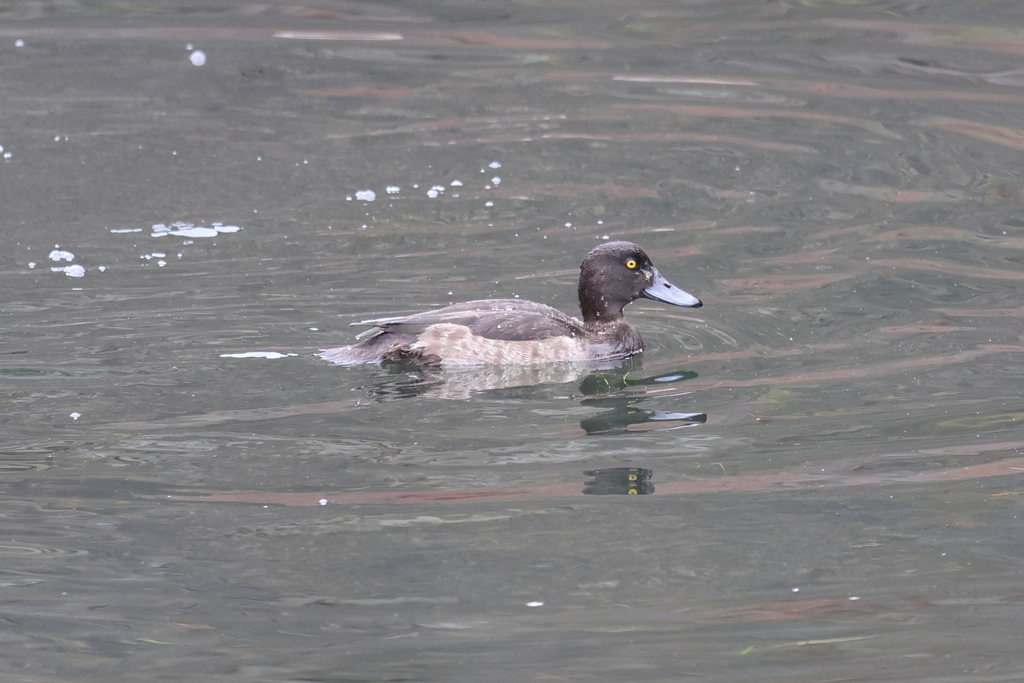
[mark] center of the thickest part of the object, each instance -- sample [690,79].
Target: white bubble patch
[271,355]
[181,229]
[61,255]
[70,271]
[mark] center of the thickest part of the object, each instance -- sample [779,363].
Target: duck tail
[347,355]
[370,350]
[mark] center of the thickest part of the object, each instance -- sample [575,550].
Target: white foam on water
[270,355]
[71,271]
[180,229]
[366,195]
[198,58]
[61,255]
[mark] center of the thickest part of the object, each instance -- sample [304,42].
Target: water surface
[817,476]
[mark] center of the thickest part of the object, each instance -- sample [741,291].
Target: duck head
[616,273]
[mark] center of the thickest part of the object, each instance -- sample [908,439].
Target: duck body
[518,332]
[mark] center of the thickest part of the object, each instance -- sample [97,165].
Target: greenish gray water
[827,453]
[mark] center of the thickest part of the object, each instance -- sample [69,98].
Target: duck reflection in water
[617,389]
[622,392]
[610,481]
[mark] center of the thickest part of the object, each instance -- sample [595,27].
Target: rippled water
[817,476]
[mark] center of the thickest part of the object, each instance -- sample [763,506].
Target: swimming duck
[518,332]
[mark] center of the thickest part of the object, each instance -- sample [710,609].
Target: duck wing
[499,319]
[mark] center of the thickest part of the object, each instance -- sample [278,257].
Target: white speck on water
[415,186]
[348,198]
[19,43]
[189,47]
[535,603]
[198,58]
[159,254]
[488,203]
[102,269]
[56,138]
[315,329]
[31,264]
[305,161]
[161,263]
[61,255]
[323,501]
[122,230]
[393,189]
[495,164]
[75,416]
[496,180]
[796,590]
[605,237]
[270,355]
[366,195]
[174,153]
[7,156]
[854,597]
[487,187]
[432,193]
[600,222]
[74,271]
[1,148]
[450,293]
[363,226]
[568,225]
[456,183]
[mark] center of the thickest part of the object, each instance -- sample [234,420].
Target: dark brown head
[616,273]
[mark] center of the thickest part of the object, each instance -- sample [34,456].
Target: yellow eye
[631,264]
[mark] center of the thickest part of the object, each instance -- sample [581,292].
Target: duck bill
[663,290]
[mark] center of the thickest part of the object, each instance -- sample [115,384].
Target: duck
[516,332]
